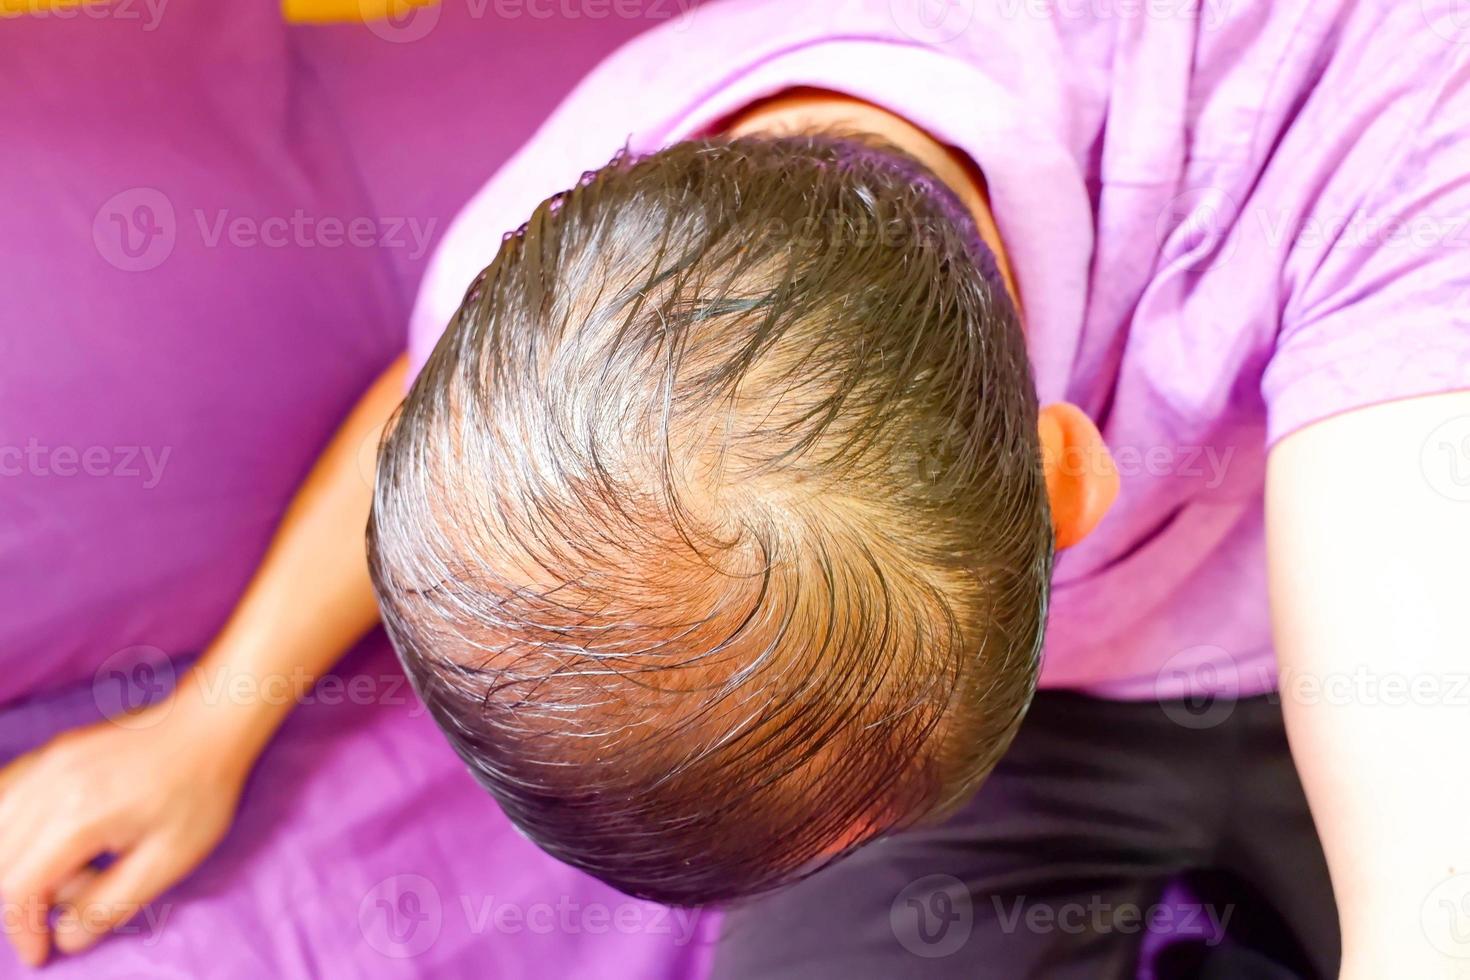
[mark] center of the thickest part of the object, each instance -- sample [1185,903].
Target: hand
[157,789]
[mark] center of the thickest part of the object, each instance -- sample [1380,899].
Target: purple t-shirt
[1228,220]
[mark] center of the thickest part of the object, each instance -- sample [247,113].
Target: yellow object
[40,6]
[326,11]
[295,11]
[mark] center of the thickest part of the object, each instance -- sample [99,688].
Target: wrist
[230,711]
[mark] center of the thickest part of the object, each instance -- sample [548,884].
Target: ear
[1081,479]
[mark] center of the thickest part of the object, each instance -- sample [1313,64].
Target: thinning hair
[714,533]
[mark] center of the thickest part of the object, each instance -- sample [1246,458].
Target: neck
[806,110]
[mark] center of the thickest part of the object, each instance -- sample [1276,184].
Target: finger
[76,885]
[116,895]
[67,893]
[28,886]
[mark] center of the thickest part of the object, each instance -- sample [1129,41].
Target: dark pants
[1058,866]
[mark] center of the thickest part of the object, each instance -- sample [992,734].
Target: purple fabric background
[362,848]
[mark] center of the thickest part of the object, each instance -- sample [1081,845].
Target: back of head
[714,533]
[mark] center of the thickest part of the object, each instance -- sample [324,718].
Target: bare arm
[1369,536]
[317,552]
[158,789]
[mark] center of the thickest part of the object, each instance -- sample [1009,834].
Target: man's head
[714,533]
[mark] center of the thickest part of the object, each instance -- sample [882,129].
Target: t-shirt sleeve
[1383,312]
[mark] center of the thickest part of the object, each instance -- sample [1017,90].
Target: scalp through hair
[713,533]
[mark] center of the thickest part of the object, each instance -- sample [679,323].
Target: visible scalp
[693,530]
